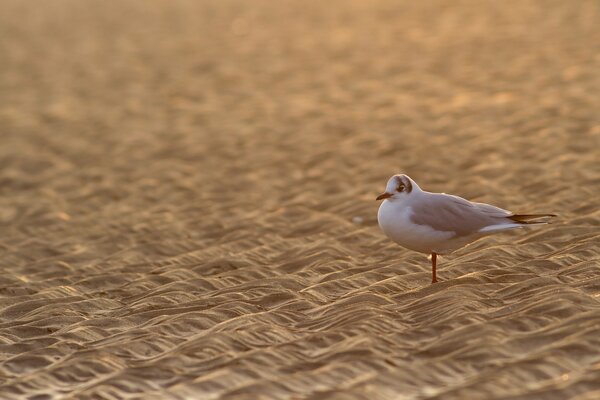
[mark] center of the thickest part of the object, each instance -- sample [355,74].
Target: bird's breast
[394,220]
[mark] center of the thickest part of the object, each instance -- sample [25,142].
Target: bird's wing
[448,213]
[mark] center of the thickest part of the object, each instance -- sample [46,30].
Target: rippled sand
[187,199]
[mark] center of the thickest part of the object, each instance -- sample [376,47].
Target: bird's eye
[400,188]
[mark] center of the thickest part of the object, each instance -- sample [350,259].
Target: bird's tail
[531,219]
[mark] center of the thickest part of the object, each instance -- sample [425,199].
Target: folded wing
[448,213]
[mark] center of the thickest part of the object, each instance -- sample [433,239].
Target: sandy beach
[187,199]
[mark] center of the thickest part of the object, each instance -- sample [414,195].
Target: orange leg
[433,265]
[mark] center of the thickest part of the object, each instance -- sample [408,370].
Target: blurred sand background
[187,199]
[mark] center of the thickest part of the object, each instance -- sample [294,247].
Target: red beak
[384,196]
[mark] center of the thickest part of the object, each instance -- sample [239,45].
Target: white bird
[439,223]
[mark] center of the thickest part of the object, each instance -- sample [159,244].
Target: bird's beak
[384,196]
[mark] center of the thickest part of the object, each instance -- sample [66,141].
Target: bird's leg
[433,265]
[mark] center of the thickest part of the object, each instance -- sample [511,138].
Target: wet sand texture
[179,180]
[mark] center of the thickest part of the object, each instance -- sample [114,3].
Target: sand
[187,199]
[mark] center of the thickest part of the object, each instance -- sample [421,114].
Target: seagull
[439,223]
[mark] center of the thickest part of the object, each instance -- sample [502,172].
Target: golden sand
[187,199]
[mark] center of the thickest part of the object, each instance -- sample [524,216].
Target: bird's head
[398,187]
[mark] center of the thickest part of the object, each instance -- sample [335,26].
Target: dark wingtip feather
[527,218]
